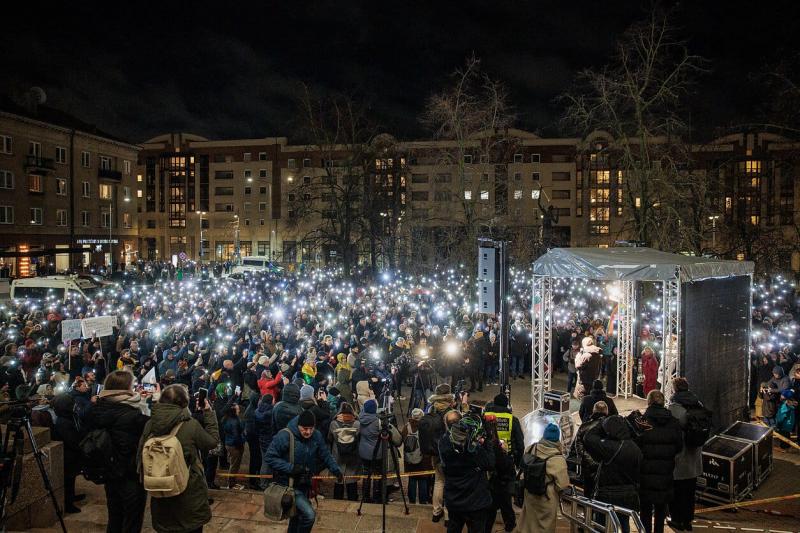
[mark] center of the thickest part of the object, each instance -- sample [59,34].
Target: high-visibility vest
[503,422]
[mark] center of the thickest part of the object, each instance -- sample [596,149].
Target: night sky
[232,69]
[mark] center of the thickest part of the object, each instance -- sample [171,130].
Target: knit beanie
[306,392]
[443,388]
[371,406]
[501,400]
[306,419]
[551,433]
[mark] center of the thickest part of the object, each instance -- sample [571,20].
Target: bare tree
[473,113]
[636,99]
[332,202]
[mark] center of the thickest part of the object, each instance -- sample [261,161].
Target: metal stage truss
[542,343]
[625,331]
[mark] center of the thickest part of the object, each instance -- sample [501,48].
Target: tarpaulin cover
[634,264]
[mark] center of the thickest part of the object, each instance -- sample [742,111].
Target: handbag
[279,499]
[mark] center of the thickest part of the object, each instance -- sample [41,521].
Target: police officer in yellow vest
[509,430]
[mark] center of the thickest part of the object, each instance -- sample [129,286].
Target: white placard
[70,330]
[101,326]
[150,377]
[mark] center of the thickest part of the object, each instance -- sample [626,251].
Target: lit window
[740,256]
[138,193]
[467,195]
[139,178]
[34,183]
[484,195]
[61,186]
[754,219]
[638,202]
[105,191]
[518,194]
[535,194]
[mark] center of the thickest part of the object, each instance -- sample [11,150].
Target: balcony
[107,173]
[34,163]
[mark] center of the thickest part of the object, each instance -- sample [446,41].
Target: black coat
[466,486]
[67,430]
[125,423]
[594,396]
[659,444]
[618,479]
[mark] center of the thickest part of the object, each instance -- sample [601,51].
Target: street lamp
[236,253]
[200,214]
[713,220]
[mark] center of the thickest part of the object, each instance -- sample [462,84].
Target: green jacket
[189,510]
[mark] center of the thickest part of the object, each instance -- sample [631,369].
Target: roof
[634,264]
[56,117]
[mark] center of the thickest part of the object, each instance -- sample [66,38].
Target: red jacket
[271,386]
[650,371]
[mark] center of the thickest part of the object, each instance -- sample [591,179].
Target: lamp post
[236,253]
[713,220]
[200,214]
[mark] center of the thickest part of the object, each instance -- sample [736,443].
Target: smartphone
[237,391]
[202,394]
[148,387]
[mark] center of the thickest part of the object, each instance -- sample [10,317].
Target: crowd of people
[301,373]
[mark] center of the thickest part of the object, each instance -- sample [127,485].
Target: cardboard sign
[70,330]
[100,326]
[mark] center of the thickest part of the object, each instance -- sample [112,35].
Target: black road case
[761,437]
[727,470]
[556,401]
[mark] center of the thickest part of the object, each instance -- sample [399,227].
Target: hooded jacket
[287,408]
[189,510]
[689,462]
[659,444]
[466,484]
[594,396]
[270,386]
[310,455]
[617,481]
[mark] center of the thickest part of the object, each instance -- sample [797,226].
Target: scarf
[309,370]
[134,399]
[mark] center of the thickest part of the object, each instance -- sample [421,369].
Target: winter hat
[442,389]
[597,385]
[501,400]
[306,392]
[371,406]
[551,433]
[417,414]
[788,394]
[306,419]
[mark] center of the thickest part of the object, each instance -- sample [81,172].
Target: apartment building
[65,191]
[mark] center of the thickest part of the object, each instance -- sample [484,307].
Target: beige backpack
[163,467]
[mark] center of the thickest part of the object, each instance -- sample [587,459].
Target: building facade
[63,186]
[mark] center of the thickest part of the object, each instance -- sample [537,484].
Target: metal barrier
[590,516]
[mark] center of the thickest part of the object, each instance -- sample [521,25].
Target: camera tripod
[383,438]
[11,463]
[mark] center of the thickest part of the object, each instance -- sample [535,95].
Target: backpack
[430,430]
[100,461]
[346,438]
[164,468]
[784,420]
[412,453]
[698,425]
[534,471]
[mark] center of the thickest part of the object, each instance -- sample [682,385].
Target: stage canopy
[634,264]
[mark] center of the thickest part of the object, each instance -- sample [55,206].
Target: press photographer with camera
[310,456]
[467,458]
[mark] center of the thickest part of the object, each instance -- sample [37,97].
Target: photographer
[311,455]
[370,446]
[431,429]
[467,457]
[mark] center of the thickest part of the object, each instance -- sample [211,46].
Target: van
[253,263]
[60,288]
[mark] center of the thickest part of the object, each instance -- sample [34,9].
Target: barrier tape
[374,476]
[746,504]
[779,436]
